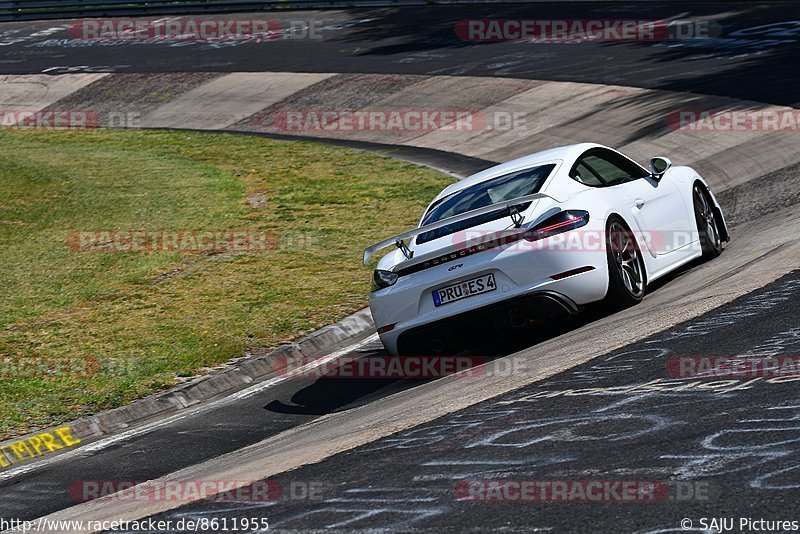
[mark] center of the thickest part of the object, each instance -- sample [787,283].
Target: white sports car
[537,237]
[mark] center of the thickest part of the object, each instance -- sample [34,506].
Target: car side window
[602,168]
[584,175]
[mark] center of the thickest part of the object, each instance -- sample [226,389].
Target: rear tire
[626,274]
[707,225]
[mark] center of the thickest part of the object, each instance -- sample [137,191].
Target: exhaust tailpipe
[519,320]
[437,346]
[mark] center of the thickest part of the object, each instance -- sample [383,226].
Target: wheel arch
[723,225]
[632,227]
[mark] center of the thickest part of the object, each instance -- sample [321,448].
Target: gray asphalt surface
[748,54]
[731,451]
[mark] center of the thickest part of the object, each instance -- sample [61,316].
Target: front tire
[707,226]
[626,274]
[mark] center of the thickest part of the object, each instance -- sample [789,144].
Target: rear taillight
[558,223]
[382,279]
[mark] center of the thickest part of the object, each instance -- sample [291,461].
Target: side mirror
[658,166]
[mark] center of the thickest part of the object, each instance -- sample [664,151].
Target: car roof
[567,152]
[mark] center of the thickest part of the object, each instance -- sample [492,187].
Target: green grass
[150,318]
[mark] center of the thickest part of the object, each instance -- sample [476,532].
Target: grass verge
[151,319]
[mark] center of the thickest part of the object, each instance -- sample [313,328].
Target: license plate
[462,290]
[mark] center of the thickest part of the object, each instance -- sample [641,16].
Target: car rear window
[506,187]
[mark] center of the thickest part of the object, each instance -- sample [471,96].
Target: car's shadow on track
[337,389]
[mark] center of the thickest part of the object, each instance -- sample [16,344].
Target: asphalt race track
[387,454]
[734,443]
[751,58]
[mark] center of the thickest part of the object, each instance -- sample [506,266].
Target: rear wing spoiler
[400,239]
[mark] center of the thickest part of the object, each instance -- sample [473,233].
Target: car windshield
[506,187]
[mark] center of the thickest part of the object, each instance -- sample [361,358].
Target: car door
[656,205]
[660,211]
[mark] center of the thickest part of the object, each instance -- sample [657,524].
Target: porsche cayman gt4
[541,236]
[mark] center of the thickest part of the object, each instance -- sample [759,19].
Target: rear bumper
[542,299]
[476,327]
